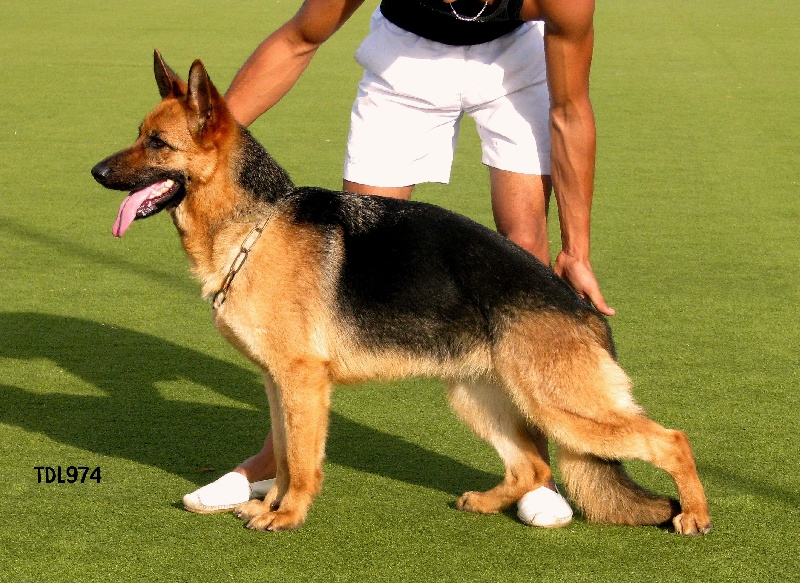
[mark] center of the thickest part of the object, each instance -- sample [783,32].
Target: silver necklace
[469,18]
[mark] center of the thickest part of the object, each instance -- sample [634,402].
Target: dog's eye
[156,143]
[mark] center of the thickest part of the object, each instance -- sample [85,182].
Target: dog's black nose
[101,171]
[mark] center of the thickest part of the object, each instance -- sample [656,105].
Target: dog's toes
[476,502]
[275,521]
[251,509]
[261,522]
[691,525]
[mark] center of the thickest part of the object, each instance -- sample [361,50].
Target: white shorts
[405,119]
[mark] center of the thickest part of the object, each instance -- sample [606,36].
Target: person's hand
[580,276]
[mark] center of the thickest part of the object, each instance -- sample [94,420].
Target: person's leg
[514,130]
[252,478]
[519,204]
[260,466]
[393,143]
[402,192]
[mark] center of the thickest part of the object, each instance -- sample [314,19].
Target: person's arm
[569,40]
[279,60]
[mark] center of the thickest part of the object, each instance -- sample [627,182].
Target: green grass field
[109,359]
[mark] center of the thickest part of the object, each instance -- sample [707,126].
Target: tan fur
[492,415]
[574,391]
[547,369]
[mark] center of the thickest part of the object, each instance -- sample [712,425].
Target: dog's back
[419,278]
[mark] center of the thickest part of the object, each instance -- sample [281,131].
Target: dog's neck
[220,213]
[258,173]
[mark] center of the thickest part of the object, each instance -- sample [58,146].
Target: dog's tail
[605,493]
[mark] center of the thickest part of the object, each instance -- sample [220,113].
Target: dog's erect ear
[202,97]
[199,98]
[169,84]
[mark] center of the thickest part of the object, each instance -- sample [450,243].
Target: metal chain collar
[238,262]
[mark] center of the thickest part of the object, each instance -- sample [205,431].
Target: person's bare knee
[520,203]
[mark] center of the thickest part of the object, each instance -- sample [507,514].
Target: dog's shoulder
[326,209]
[383,218]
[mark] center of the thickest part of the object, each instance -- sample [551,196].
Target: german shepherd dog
[319,287]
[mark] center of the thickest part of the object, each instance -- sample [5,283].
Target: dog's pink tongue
[131,204]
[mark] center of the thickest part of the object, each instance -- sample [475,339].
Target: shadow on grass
[134,421]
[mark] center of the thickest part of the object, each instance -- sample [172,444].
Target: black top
[434,19]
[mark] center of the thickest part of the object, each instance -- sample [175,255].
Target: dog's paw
[276,521]
[479,502]
[251,509]
[691,524]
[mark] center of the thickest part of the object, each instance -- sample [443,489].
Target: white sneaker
[545,508]
[224,494]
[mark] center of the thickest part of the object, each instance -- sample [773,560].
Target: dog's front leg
[299,405]
[272,500]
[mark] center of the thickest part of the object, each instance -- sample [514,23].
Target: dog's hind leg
[570,385]
[489,412]
[587,445]
[302,395]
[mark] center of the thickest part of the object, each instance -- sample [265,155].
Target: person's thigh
[396,141]
[514,131]
[511,103]
[405,119]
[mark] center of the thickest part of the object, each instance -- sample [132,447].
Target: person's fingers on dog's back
[582,279]
[591,293]
[600,304]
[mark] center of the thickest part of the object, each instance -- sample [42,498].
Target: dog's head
[176,149]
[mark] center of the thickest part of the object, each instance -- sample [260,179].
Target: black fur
[415,276]
[419,277]
[258,173]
